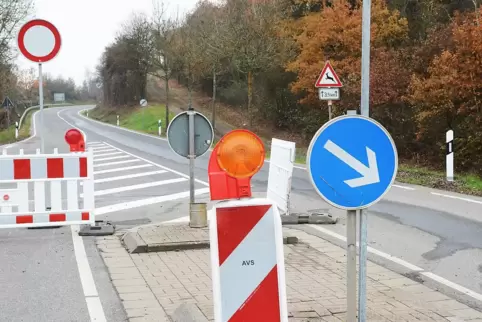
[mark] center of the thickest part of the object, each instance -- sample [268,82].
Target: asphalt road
[39,271]
[414,230]
[437,231]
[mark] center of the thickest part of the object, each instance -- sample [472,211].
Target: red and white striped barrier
[23,207]
[247,261]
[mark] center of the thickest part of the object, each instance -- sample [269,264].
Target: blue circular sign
[352,162]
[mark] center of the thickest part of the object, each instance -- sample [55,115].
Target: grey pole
[41,103]
[365,111]
[191,155]
[330,103]
[351,265]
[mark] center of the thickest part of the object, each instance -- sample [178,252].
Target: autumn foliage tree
[334,34]
[450,96]
[259,59]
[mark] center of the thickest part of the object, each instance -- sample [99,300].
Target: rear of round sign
[178,134]
[39,40]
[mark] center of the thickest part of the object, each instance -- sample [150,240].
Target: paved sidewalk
[153,285]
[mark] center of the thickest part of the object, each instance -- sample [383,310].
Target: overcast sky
[86,27]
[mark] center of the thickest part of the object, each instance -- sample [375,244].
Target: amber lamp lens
[241,154]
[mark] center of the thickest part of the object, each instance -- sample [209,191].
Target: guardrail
[34,107]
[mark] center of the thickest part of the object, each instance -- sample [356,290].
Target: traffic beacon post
[246,239]
[352,162]
[75,140]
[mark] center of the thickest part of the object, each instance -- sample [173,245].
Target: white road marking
[94,306]
[403,187]
[147,202]
[130,176]
[160,166]
[114,163]
[108,154]
[92,299]
[112,158]
[124,168]
[450,284]
[94,143]
[408,265]
[136,187]
[102,149]
[455,197]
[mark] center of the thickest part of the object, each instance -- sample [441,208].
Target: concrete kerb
[135,243]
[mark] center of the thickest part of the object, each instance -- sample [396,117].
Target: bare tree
[252,37]
[207,24]
[12,14]
[163,29]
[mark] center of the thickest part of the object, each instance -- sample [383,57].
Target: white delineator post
[247,261]
[16,130]
[159,127]
[450,155]
[117,120]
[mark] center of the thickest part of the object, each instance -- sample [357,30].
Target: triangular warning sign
[7,103]
[328,77]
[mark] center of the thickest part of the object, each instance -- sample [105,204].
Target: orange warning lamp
[235,159]
[75,140]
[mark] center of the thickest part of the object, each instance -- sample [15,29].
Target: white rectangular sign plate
[326,94]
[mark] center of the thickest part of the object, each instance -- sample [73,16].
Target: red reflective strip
[27,219]
[21,169]
[55,168]
[83,167]
[263,303]
[233,224]
[85,216]
[56,217]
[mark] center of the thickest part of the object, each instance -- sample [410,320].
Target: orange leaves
[454,80]
[335,34]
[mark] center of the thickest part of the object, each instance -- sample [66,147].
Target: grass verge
[145,120]
[139,119]
[7,136]
[424,176]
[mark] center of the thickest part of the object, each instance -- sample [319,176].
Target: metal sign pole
[41,103]
[191,155]
[330,103]
[365,111]
[351,265]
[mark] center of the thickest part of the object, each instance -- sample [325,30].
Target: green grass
[139,119]
[423,176]
[8,135]
[463,183]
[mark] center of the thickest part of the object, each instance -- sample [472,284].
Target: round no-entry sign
[6,197]
[39,40]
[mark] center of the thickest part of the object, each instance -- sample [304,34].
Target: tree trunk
[166,82]
[213,119]
[189,88]
[250,97]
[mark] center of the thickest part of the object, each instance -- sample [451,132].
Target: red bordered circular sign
[6,197]
[39,40]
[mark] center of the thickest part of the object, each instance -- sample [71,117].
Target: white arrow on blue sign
[352,162]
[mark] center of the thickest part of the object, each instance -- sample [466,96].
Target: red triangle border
[318,81]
